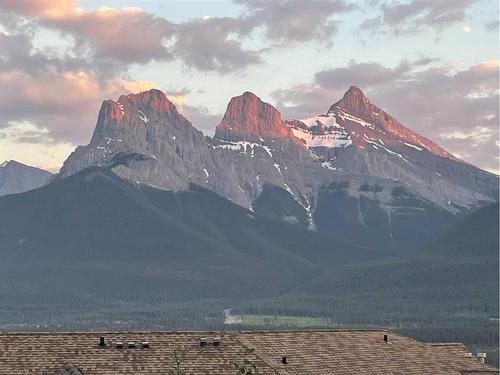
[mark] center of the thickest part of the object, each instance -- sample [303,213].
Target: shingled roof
[306,352]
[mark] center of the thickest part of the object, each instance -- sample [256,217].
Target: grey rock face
[143,138]
[355,136]
[16,177]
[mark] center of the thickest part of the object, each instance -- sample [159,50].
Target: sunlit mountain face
[250,164]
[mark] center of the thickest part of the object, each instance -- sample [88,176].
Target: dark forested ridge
[93,244]
[448,292]
[475,236]
[93,251]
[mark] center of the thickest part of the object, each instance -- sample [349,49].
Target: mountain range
[355,171]
[156,224]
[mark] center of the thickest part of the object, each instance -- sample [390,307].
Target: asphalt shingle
[306,352]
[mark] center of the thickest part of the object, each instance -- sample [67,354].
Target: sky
[434,65]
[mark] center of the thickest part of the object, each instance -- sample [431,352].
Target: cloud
[293,20]
[457,108]
[201,117]
[425,61]
[18,137]
[127,35]
[17,52]
[113,38]
[65,102]
[477,136]
[139,86]
[178,97]
[216,43]
[361,74]
[304,99]
[417,15]
[39,8]
[492,25]
[211,45]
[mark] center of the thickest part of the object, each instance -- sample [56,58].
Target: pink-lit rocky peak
[385,127]
[247,117]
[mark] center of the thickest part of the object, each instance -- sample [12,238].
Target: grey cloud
[124,36]
[116,38]
[304,100]
[210,44]
[361,74]
[201,118]
[416,15]
[177,92]
[425,61]
[215,44]
[293,20]
[17,53]
[371,23]
[492,25]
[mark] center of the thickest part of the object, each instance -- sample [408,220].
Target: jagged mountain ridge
[355,136]
[378,168]
[161,148]
[355,120]
[16,177]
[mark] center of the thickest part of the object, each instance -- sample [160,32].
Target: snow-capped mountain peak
[355,120]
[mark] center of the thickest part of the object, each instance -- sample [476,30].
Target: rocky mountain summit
[354,170]
[248,118]
[16,177]
[143,138]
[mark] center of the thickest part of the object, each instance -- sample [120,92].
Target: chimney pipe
[481,357]
[386,338]
[102,343]
[284,360]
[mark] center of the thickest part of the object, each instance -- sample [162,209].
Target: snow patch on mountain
[376,145]
[413,146]
[348,117]
[244,147]
[321,131]
[143,117]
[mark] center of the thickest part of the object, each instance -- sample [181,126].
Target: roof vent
[119,345]
[284,360]
[203,341]
[481,357]
[145,344]
[386,338]
[131,344]
[102,343]
[468,354]
[216,341]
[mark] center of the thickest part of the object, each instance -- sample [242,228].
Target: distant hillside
[475,236]
[94,242]
[448,292]
[16,177]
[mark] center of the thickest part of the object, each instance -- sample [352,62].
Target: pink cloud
[129,35]
[39,8]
